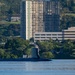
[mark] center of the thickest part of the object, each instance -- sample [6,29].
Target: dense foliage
[56,49]
[67,6]
[67,21]
[5,6]
[17,47]
[14,48]
[8,31]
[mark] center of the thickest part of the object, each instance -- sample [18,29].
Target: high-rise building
[39,16]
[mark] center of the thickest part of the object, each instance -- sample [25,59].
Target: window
[42,34]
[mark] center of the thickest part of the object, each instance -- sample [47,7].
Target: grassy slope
[6,22]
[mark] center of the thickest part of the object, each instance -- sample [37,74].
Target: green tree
[67,47]
[17,46]
[45,46]
[2,53]
[47,55]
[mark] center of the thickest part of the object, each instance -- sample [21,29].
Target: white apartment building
[39,16]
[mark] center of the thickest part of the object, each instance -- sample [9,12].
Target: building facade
[68,34]
[46,36]
[39,16]
[51,16]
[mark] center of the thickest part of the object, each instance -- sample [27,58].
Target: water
[54,67]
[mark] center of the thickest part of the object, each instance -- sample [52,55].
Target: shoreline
[26,59]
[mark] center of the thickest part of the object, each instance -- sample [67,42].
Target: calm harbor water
[54,67]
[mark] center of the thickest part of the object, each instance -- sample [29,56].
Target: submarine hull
[26,59]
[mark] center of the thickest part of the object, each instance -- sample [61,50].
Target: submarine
[34,56]
[26,59]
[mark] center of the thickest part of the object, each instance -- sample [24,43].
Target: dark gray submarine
[26,59]
[35,57]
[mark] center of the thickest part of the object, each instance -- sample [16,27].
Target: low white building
[64,35]
[42,36]
[15,19]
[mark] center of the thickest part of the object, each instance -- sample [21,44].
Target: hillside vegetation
[5,5]
[67,14]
